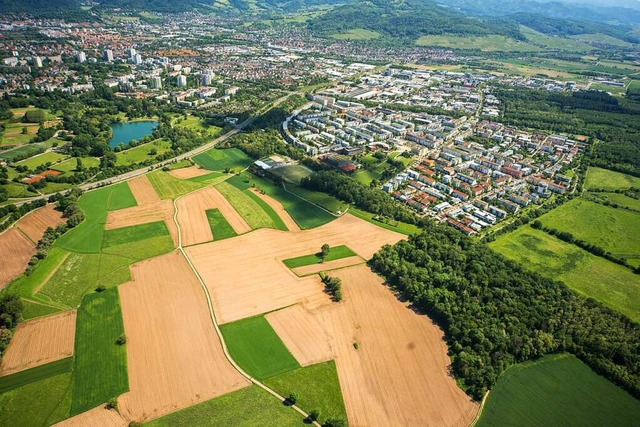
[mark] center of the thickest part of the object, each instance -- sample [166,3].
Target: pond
[124,133]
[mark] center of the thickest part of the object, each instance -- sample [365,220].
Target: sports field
[609,180]
[593,276]
[557,390]
[221,159]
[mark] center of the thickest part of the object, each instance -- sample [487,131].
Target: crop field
[601,38]
[19,379]
[13,133]
[614,230]
[220,228]
[335,253]
[293,174]
[257,349]
[282,219]
[593,276]
[250,406]
[489,43]
[317,387]
[323,200]
[142,214]
[250,210]
[41,159]
[142,152]
[174,358]
[100,364]
[134,233]
[169,187]
[276,220]
[220,159]
[189,172]
[609,180]
[557,390]
[40,341]
[23,151]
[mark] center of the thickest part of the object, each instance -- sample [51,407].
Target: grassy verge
[388,224]
[220,228]
[337,252]
[555,391]
[256,347]
[100,365]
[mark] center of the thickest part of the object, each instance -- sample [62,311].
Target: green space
[250,210]
[17,190]
[100,364]
[609,180]
[293,174]
[41,159]
[317,387]
[275,218]
[212,178]
[357,34]
[221,159]
[248,407]
[179,165]
[13,135]
[614,285]
[22,152]
[554,42]
[220,228]
[256,347]
[69,165]
[134,233]
[557,390]
[39,403]
[614,230]
[143,152]
[323,200]
[616,198]
[195,123]
[38,373]
[33,309]
[304,213]
[366,176]
[601,38]
[169,187]
[489,43]
[386,223]
[87,236]
[336,252]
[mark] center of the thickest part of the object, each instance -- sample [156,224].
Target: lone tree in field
[292,399]
[324,251]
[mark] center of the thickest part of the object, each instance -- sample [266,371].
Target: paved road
[195,151]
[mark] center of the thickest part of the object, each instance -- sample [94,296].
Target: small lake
[124,133]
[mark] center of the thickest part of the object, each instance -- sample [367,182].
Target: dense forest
[493,311]
[616,122]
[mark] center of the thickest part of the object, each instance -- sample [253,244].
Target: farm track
[217,327]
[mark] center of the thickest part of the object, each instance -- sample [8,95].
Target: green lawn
[614,230]
[40,403]
[593,276]
[134,233]
[195,123]
[169,187]
[256,347]
[220,159]
[142,153]
[319,198]
[388,224]
[609,180]
[100,364]
[70,164]
[557,390]
[247,207]
[41,159]
[248,407]
[87,236]
[336,252]
[32,375]
[18,190]
[220,228]
[293,174]
[317,387]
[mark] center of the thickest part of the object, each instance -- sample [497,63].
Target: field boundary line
[216,326]
[484,400]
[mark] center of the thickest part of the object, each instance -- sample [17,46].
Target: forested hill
[406,19]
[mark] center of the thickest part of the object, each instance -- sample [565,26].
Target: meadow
[609,180]
[41,159]
[100,364]
[134,233]
[596,277]
[69,165]
[39,373]
[336,252]
[250,210]
[221,159]
[220,228]
[557,390]
[169,187]
[143,152]
[357,34]
[22,152]
[387,224]
[619,199]
[490,43]
[293,174]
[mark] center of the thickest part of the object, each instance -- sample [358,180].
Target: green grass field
[220,228]
[293,174]
[23,151]
[13,135]
[336,252]
[609,180]
[142,153]
[217,159]
[87,236]
[321,199]
[121,236]
[248,407]
[41,159]
[100,364]
[557,390]
[194,123]
[388,224]
[256,347]
[38,373]
[550,42]
[250,210]
[593,276]
[357,34]
[39,403]
[70,164]
[490,43]
[18,190]
[317,387]
[169,187]
[275,218]
[601,38]
[614,230]
[620,199]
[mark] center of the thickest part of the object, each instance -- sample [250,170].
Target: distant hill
[31,5]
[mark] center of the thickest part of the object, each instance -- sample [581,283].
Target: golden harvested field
[15,252]
[174,358]
[36,222]
[327,266]
[277,206]
[398,375]
[96,417]
[161,210]
[142,190]
[39,341]
[239,291]
[192,215]
[190,172]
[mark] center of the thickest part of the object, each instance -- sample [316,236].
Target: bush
[314,415]
[292,399]
[113,403]
[334,422]
[122,339]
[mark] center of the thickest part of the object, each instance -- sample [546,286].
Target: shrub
[122,339]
